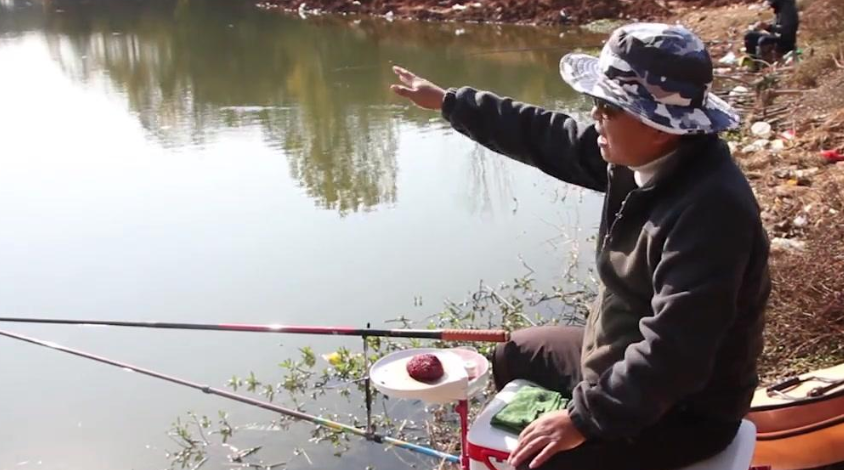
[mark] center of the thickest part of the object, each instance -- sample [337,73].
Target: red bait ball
[425,368]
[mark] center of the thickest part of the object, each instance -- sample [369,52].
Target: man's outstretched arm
[552,142]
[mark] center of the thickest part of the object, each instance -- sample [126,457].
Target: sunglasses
[606,108]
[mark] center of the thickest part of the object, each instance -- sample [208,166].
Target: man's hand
[422,92]
[760,26]
[553,432]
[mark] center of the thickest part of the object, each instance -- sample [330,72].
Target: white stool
[737,456]
[490,447]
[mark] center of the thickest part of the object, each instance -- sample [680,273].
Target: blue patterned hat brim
[582,72]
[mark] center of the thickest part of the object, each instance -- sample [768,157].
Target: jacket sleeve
[696,285]
[552,142]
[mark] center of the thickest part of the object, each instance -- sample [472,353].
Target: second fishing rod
[495,336]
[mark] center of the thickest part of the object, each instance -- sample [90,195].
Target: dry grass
[808,71]
[825,132]
[806,313]
[822,18]
[805,327]
[821,38]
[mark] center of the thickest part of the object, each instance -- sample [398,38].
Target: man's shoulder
[715,183]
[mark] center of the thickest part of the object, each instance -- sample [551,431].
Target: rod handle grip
[491,336]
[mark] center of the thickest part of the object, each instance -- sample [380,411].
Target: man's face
[625,140]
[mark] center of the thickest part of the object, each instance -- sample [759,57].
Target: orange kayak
[800,421]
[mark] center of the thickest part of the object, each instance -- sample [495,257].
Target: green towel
[528,404]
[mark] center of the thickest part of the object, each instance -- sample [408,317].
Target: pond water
[203,162]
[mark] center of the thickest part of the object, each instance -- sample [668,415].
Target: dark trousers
[756,41]
[550,357]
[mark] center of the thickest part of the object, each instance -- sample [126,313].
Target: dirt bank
[547,12]
[542,12]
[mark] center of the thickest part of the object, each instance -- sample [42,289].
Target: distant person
[780,37]
[665,368]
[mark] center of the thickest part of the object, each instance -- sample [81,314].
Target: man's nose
[596,115]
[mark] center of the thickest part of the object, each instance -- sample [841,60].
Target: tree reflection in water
[316,89]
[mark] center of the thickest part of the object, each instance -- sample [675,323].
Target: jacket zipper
[618,215]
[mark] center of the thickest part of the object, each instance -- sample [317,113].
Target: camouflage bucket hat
[660,73]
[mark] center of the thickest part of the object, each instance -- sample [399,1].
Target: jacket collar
[693,156]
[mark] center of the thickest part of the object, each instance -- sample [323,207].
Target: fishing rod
[370,436]
[493,336]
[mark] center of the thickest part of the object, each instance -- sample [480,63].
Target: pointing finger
[401,70]
[401,90]
[405,76]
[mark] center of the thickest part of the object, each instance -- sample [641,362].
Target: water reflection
[316,89]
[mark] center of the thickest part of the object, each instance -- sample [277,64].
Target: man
[780,37]
[664,371]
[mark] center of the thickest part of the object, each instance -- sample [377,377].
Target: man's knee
[508,356]
[548,355]
[501,370]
